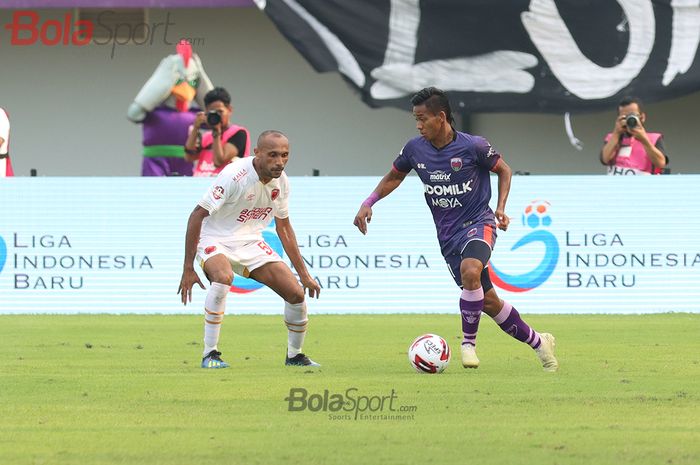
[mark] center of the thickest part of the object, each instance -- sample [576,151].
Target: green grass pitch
[128,390]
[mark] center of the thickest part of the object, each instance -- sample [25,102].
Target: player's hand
[189,277]
[502,219]
[363,217]
[311,285]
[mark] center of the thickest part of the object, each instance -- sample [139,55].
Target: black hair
[217,94]
[435,100]
[629,100]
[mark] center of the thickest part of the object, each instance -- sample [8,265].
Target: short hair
[629,100]
[270,132]
[435,100]
[217,94]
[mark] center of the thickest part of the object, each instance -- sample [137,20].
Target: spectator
[630,149]
[5,165]
[214,149]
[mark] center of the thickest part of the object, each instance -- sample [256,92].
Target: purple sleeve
[403,162]
[486,155]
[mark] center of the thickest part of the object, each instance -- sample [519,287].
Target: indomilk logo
[450,189]
[535,216]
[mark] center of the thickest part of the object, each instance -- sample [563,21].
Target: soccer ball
[429,353]
[536,214]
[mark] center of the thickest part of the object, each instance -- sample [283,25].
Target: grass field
[127,389]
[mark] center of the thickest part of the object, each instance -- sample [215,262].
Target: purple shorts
[485,232]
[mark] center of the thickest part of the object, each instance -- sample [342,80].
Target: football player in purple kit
[454,168]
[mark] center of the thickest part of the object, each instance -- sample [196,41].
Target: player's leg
[278,277]
[510,321]
[471,303]
[220,274]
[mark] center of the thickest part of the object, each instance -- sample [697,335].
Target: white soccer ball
[429,353]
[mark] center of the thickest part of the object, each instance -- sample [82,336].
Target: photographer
[215,148]
[630,149]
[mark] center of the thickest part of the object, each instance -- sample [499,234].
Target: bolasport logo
[28,27]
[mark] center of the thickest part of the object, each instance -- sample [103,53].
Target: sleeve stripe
[207,206]
[394,168]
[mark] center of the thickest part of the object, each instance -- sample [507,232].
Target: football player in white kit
[224,231]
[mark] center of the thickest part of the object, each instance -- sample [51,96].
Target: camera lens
[632,121]
[213,118]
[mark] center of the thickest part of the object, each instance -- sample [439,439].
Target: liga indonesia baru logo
[241,285]
[535,216]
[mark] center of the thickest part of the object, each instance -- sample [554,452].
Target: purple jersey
[455,182]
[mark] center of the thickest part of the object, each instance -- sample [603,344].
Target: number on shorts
[266,248]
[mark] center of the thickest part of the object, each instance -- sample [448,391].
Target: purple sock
[471,303]
[509,320]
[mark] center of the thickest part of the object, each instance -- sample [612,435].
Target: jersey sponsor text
[253,214]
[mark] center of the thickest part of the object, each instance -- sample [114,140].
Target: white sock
[295,319]
[214,307]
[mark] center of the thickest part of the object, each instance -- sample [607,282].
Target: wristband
[371,200]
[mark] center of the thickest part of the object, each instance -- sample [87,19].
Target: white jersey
[240,206]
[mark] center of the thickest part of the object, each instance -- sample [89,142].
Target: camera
[632,121]
[213,118]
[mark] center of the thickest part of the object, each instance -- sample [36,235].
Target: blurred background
[68,104]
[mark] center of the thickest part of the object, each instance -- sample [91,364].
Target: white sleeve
[282,203]
[224,189]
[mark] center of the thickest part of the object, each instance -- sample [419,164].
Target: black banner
[501,55]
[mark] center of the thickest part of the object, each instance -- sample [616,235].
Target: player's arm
[386,186]
[291,248]
[504,174]
[189,275]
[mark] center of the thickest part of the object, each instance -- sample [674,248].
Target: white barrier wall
[588,244]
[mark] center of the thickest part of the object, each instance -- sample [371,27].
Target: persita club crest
[456,164]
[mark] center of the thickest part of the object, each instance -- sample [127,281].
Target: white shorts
[244,257]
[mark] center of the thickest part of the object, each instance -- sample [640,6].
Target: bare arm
[189,275]
[504,175]
[223,152]
[192,147]
[656,156]
[289,242]
[609,150]
[386,186]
